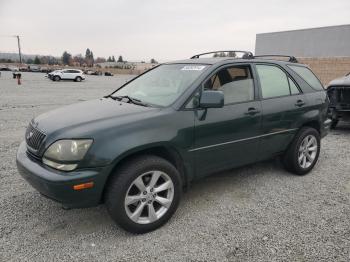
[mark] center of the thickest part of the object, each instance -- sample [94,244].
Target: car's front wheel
[56,78]
[303,153]
[143,194]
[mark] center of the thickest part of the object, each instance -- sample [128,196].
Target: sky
[161,29]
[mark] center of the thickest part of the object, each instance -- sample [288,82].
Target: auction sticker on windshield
[193,68]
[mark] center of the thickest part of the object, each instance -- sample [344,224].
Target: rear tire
[124,198]
[78,79]
[303,152]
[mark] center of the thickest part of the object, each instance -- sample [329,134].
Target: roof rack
[246,54]
[291,59]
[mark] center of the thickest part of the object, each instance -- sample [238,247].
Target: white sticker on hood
[193,68]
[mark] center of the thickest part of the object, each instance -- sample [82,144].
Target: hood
[90,112]
[342,81]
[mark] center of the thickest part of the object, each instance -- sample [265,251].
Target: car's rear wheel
[303,153]
[78,79]
[143,194]
[56,78]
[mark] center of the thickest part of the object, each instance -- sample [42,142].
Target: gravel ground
[255,213]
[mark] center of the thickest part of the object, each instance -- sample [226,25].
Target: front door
[228,137]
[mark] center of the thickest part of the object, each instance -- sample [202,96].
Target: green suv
[136,149]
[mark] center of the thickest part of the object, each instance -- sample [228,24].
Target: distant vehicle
[44,70]
[24,69]
[339,95]
[4,68]
[88,72]
[67,74]
[34,68]
[108,74]
[97,73]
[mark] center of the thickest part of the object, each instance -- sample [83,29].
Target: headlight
[64,154]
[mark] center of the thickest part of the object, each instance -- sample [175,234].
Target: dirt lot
[255,213]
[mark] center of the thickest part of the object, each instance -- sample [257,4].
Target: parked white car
[67,74]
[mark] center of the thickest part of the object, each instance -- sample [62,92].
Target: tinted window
[273,81]
[308,76]
[235,82]
[293,88]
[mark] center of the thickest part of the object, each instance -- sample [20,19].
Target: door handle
[299,103]
[252,111]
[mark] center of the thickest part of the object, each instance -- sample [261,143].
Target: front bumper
[326,127]
[58,185]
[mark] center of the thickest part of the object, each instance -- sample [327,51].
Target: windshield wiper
[131,100]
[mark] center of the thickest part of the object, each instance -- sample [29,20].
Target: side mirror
[211,99]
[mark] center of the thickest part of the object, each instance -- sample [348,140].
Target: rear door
[283,106]
[68,74]
[228,137]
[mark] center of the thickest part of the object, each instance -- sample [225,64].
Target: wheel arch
[314,124]
[163,151]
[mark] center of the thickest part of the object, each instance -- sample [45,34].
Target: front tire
[56,78]
[303,153]
[143,194]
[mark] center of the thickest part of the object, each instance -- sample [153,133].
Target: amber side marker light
[83,186]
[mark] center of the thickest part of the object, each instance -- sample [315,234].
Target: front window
[162,85]
[235,82]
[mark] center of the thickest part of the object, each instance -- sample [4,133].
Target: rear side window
[294,90]
[273,81]
[308,76]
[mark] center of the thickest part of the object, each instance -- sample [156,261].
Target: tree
[113,59]
[87,53]
[89,57]
[109,59]
[66,58]
[100,60]
[120,59]
[30,61]
[37,60]
[153,61]
[78,59]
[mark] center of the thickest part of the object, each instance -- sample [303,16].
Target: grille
[34,137]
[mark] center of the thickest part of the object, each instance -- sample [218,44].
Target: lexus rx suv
[67,74]
[135,150]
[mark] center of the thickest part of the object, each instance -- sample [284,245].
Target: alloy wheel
[307,151]
[149,197]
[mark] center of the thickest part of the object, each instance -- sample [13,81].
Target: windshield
[162,85]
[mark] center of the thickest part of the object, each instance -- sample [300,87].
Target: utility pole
[19,49]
